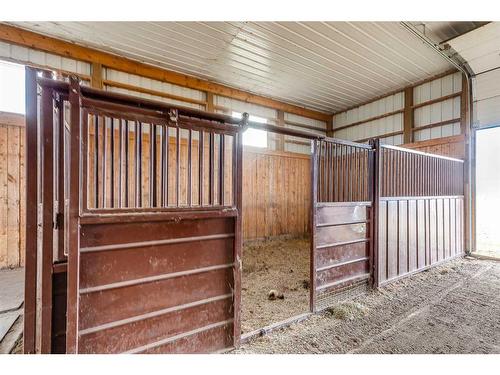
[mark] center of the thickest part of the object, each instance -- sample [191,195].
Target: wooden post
[96,78]
[210,102]
[408,116]
[329,127]
[280,138]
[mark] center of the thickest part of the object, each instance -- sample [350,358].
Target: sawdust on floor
[279,264]
[451,308]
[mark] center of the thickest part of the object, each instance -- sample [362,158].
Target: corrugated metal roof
[327,66]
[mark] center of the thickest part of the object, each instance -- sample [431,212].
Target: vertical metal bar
[74,222]
[153,163]
[112,172]
[211,168]
[47,190]
[221,170]
[31,171]
[138,164]
[163,172]
[374,178]
[178,165]
[120,165]
[201,147]
[127,162]
[104,162]
[96,156]
[190,180]
[167,159]
[314,201]
[238,240]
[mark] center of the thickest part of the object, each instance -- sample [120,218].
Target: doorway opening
[487,191]
[276,190]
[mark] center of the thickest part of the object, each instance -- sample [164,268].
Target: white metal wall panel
[305,121]
[151,84]
[30,56]
[377,108]
[441,111]
[486,88]
[373,128]
[253,109]
[438,88]
[437,112]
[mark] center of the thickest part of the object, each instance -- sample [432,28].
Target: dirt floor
[453,308]
[279,264]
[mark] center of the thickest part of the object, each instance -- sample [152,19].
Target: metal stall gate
[151,231]
[420,205]
[341,238]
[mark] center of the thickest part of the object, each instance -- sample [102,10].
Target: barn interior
[297,166]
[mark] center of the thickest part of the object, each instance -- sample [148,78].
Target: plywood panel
[12,185]
[276,193]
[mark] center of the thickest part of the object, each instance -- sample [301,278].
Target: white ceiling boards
[327,66]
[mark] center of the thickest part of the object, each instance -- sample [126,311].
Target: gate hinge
[59,222]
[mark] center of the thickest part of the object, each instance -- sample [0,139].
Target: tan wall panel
[12,188]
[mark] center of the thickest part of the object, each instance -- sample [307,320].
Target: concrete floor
[11,307]
[453,308]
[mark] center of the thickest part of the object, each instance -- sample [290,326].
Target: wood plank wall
[12,188]
[276,193]
[453,147]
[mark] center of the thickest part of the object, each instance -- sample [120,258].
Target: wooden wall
[453,147]
[276,193]
[12,188]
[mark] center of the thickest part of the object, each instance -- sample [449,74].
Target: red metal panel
[159,276]
[342,216]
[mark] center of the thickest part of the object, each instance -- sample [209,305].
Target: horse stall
[135,242]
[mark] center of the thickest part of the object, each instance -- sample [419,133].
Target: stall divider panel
[341,246]
[420,205]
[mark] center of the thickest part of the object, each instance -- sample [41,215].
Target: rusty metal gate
[342,215]
[151,231]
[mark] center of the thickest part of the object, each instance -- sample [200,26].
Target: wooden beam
[434,124]
[408,116]
[436,142]
[15,35]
